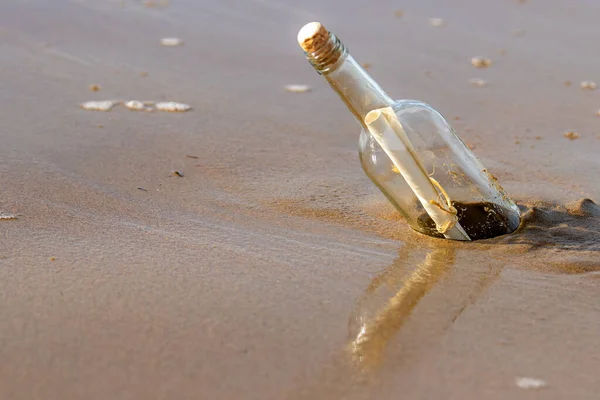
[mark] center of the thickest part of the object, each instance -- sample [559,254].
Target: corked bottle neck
[327,57]
[330,58]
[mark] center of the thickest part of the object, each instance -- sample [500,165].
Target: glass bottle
[482,207]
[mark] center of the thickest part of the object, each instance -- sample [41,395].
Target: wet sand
[273,268]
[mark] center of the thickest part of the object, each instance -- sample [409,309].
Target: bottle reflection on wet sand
[441,280]
[374,331]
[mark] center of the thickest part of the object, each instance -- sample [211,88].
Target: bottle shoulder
[409,103]
[411,110]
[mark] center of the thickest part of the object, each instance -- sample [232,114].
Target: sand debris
[530,383]
[172,106]
[155,4]
[135,105]
[588,85]
[138,105]
[567,83]
[7,216]
[571,135]
[95,88]
[298,88]
[104,105]
[437,22]
[177,173]
[367,65]
[481,62]
[399,13]
[478,82]
[171,42]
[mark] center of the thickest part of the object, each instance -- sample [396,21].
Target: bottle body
[411,153]
[483,208]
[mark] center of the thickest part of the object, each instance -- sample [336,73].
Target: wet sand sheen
[251,274]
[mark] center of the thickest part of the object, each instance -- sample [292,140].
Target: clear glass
[484,209]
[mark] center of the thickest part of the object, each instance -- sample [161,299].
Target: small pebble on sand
[399,13]
[571,135]
[530,383]
[588,85]
[143,74]
[478,82]
[297,88]
[172,106]
[7,216]
[171,42]
[481,62]
[437,22]
[567,83]
[95,88]
[366,65]
[177,173]
[105,105]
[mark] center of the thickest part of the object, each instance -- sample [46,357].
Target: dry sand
[251,276]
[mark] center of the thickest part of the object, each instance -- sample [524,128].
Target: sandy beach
[269,266]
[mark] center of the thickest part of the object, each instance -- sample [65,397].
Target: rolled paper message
[388,132]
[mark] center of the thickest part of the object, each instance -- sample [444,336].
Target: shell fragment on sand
[171,106]
[104,105]
[530,383]
[588,85]
[437,22]
[481,62]
[478,82]
[171,42]
[298,88]
[137,105]
[571,135]
[7,216]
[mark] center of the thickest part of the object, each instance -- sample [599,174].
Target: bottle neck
[348,79]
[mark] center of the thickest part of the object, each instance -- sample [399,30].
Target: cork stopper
[321,47]
[312,37]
